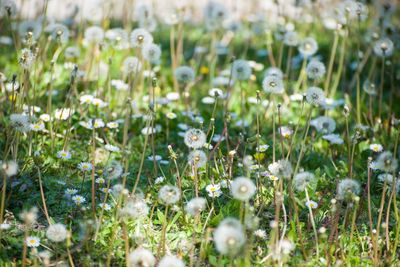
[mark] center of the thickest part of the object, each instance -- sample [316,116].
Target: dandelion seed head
[315,96]
[171,261]
[195,138]
[140,37]
[9,168]
[315,70]
[347,189]
[169,194]
[56,232]
[113,170]
[241,70]
[273,84]
[386,162]
[141,257]
[195,206]
[243,188]
[197,158]
[302,180]
[383,47]
[308,47]
[229,237]
[324,124]
[282,169]
[184,74]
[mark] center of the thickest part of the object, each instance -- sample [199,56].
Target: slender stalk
[312,222]
[331,62]
[161,247]
[46,213]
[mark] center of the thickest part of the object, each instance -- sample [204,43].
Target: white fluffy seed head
[9,168]
[273,84]
[197,158]
[151,53]
[132,65]
[140,37]
[184,74]
[195,138]
[169,194]
[347,188]
[281,169]
[241,70]
[315,69]
[57,232]
[386,162]
[324,124]
[302,180]
[229,237]
[134,208]
[308,47]
[315,96]
[141,257]
[113,170]
[243,188]
[171,261]
[383,47]
[195,206]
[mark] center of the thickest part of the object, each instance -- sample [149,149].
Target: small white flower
[112,124]
[184,74]
[85,166]
[71,191]
[63,113]
[112,148]
[376,147]
[105,206]
[63,154]
[383,47]
[262,148]
[159,180]
[171,115]
[99,103]
[312,204]
[260,234]
[4,226]
[308,47]
[241,70]
[45,117]
[140,37]
[36,127]
[214,190]
[100,180]
[285,131]
[86,99]
[32,241]
[347,188]
[78,200]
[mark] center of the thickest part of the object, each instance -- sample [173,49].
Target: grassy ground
[268,140]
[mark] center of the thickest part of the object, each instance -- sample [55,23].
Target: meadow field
[175,133]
